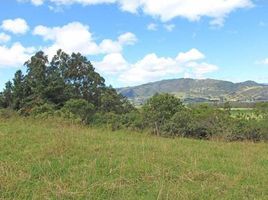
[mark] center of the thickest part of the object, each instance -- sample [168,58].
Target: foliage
[261,109]
[159,109]
[44,109]
[245,130]
[80,108]
[67,82]
[69,87]
[165,115]
[110,101]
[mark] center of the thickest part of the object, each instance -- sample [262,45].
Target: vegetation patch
[68,87]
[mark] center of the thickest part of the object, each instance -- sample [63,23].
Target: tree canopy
[64,78]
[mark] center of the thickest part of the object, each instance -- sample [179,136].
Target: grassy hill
[195,90]
[51,159]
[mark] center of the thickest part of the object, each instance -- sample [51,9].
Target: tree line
[68,86]
[65,80]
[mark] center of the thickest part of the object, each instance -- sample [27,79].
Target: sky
[131,42]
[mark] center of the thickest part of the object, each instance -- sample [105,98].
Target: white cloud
[4,38]
[15,56]
[166,10]
[193,10]
[110,46]
[73,37]
[191,55]
[112,64]
[169,27]
[152,27]
[34,2]
[263,62]
[152,67]
[200,69]
[76,37]
[127,39]
[37,2]
[16,26]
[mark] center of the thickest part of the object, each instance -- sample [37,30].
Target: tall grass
[51,159]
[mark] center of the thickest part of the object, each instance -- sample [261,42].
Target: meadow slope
[51,159]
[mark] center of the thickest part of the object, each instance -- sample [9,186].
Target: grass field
[50,159]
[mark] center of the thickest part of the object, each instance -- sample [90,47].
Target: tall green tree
[18,90]
[85,82]
[79,76]
[113,102]
[56,92]
[36,78]
[64,78]
[159,109]
[8,95]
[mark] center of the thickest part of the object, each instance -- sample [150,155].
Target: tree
[113,102]
[180,124]
[56,91]
[8,95]
[83,80]
[18,90]
[159,109]
[80,108]
[53,84]
[36,78]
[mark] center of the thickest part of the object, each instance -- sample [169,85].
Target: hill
[199,90]
[52,159]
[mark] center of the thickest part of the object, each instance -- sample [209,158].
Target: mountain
[199,90]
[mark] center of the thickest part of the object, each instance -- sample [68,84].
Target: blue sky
[131,42]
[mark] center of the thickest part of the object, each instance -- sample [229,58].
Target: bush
[133,120]
[245,130]
[180,124]
[44,110]
[79,108]
[110,120]
[159,109]
[216,122]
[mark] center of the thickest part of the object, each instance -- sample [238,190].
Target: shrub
[80,108]
[263,127]
[159,109]
[43,110]
[215,121]
[180,124]
[133,120]
[110,120]
[245,130]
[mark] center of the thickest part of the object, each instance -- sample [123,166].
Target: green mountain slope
[195,90]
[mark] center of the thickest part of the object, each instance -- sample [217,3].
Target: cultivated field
[51,159]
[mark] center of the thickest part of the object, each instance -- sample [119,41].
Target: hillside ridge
[199,90]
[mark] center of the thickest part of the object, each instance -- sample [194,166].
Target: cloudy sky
[131,42]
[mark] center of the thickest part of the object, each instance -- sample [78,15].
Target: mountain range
[199,90]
